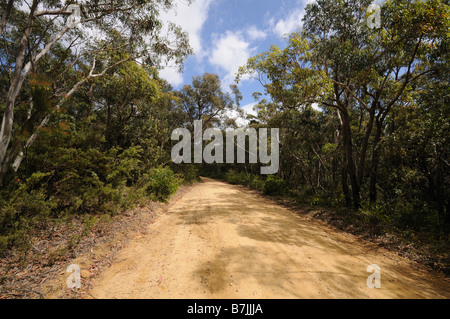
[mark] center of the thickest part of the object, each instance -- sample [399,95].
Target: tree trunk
[45,121]
[345,189]
[6,164]
[5,15]
[348,158]
[447,216]
[365,146]
[375,163]
[15,87]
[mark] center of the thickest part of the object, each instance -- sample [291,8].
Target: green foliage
[275,186]
[27,205]
[101,121]
[188,173]
[205,100]
[246,179]
[381,136]
[257,182]
[233,177]
[271,185]
[162,183]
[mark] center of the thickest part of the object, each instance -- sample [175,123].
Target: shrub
[275,186]
[162,184]
[232,177]
[26,205]
[257,183]
[189,173]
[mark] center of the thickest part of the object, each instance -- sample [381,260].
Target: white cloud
[255,34]
[191,18]
[291,22]
[248,109]
[230,51]
[239,120]
[172,75]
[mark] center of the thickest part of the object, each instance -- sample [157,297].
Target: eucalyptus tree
[337,61]
[89,32]
[206,100]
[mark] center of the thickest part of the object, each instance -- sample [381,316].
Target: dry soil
[224,241]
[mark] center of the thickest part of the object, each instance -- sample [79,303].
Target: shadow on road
[273,247]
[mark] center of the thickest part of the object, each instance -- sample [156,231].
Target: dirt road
[223,241]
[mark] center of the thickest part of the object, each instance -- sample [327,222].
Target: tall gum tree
[337,61]
[132,27]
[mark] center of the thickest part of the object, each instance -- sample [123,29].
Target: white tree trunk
[45,121]
[16,84]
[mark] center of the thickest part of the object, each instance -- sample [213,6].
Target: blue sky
[225,33]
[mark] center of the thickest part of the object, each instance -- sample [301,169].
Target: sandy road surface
[223,241]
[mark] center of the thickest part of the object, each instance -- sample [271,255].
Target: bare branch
[352,93]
